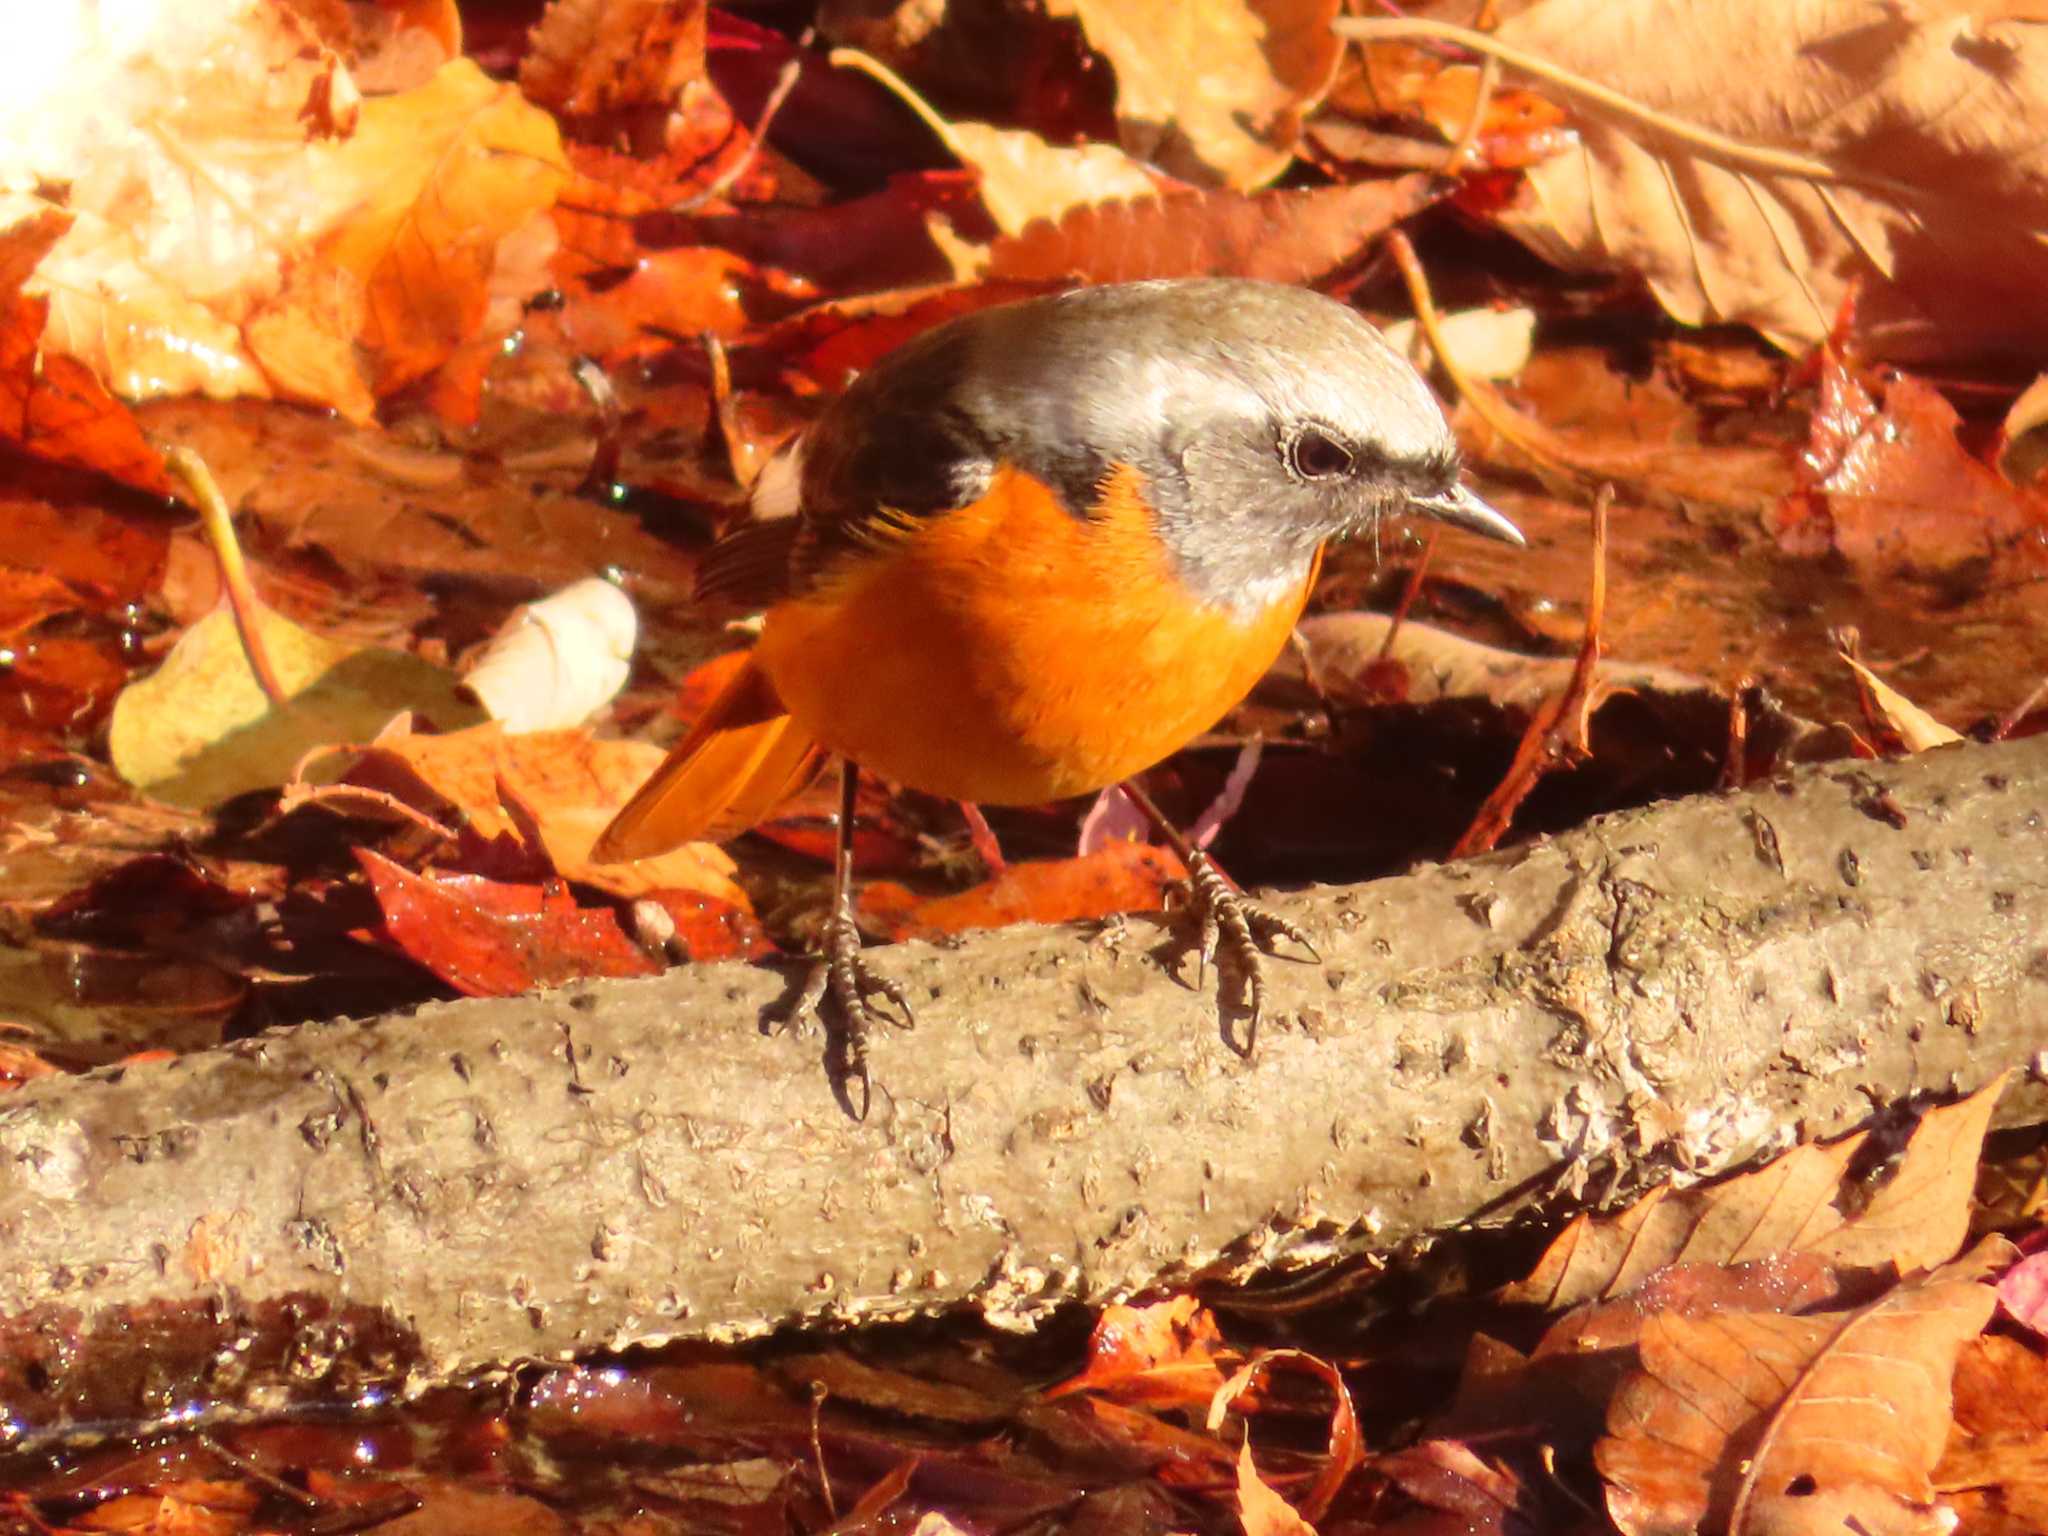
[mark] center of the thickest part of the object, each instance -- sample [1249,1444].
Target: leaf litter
[437,258]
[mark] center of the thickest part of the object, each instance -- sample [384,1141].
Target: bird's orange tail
[742,759]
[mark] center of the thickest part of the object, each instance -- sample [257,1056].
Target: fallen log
[355,1206]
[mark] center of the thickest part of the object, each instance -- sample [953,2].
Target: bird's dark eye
[1315,455]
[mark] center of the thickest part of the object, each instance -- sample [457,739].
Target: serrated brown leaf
[1917,1218]
[1923,122]
[1289,236]
[1758,1422]
[1920,1216]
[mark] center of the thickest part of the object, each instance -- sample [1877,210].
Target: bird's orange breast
[1009,652]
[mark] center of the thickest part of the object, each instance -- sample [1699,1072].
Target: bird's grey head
[1265,420]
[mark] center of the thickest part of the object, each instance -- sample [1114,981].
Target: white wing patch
[778,489]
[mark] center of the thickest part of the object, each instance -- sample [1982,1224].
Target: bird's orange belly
[1010,653]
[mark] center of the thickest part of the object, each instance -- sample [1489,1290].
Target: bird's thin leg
[841,972]
[1235,931]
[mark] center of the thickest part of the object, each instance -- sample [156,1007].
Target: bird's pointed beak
[1461,509]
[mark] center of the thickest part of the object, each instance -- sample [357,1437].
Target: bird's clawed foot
[1236,934]
[857,994]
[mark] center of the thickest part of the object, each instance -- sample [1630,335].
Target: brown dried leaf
[1995,1470]
[1758,1422]
[1918,1218]
[1289,236]
[1890,488]
[1214,91]
[1783,1205]
[1925,122]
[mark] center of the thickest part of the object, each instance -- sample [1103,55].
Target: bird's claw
[841,973]
[1235,935]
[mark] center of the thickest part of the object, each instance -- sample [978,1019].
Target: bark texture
[356,1205]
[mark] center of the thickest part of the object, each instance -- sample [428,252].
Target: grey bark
[405,1199]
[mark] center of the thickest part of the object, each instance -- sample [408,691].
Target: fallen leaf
[486,938]
[587,57]
[1165,1355]
[50,404]
[567,782]
[1346,1450]
[1918,1218]
[1896,151]
[1920,1215]
[1121,876]
[1889,488]
[1760,1422]
[199,730]
[1450,1476]
[1347,652]
[1214,91]
[449,187]
[2023,1293]
[1260,1510]
[1293,235]
[1485,343]
[1022,177]
[1915,728]
[1995,1470]
[251,234]
[2023,435]
[556,662]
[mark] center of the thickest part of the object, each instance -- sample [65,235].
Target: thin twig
[1410,592]
[1484,400]
[2009,721]
[1559,732]
[219,524]
[257,1472]
[1466,147]
[724,181]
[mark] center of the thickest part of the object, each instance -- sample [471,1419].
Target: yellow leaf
[199,729]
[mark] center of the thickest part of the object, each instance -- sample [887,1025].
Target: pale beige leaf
[2023,435]
[1342,647]
[1025,178]
[1916,728]
[556,662]
[1213,91]
[1926,120]
[1483,343]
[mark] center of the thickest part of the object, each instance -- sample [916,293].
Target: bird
[1033,552]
